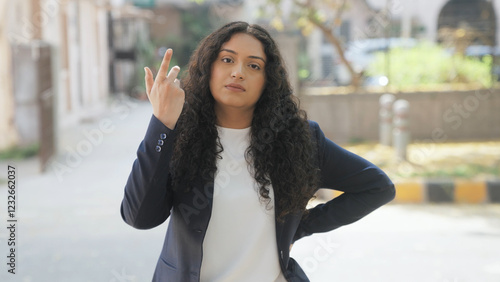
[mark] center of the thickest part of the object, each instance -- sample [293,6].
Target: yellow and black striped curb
[448,191]
[439,191]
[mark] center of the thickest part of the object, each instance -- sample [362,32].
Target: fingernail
[145,70]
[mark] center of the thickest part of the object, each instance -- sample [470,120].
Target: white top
[240,243]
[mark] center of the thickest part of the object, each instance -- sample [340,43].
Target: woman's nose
[237,72]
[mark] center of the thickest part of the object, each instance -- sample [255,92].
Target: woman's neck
[234,118]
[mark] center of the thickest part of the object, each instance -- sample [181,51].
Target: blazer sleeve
[366,187]
[148,194]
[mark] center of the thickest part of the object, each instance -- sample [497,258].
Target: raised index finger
[162,73]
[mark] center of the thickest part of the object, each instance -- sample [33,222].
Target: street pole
[385,119]
[401,133]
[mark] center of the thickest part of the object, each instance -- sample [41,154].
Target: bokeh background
[73,110]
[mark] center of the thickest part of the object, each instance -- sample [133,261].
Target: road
[69,227]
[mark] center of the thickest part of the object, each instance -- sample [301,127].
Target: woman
[233,161]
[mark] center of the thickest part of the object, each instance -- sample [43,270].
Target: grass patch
[467,160]
[356,140]
[19,153]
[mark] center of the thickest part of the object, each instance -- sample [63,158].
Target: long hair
[281,150]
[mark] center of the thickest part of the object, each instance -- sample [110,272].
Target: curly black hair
[281,150]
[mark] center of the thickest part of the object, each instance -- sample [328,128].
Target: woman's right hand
[165,92]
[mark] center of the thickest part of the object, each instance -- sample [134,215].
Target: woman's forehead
[245,44]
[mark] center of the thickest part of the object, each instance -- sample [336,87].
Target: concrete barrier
[448,191]
[434,116]
[438,191]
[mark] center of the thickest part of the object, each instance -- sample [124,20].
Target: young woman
[232,161]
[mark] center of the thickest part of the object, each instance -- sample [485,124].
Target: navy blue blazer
[149,200]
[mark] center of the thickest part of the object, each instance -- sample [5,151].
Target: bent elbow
[138,223]
[127,218]
[390,193]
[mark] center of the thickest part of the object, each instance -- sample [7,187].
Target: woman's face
[238,74]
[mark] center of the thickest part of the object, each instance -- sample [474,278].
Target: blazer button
[163,136]
[197,230]
[160,142]
[158,149]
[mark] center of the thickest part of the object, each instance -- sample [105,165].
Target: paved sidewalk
[69,225]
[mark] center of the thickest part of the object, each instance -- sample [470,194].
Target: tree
[310,14]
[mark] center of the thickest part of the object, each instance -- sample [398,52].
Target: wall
[76,32]
[167,22]
[8,130]
[288,46]
[453,116]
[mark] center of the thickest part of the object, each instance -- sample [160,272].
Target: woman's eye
[255,66]
[226,60]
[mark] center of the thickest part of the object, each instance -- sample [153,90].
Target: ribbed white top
[240,243]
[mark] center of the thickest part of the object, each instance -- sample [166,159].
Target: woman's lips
[235,87]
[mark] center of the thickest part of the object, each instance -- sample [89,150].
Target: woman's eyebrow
[234,52]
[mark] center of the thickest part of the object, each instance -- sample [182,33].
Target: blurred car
[479,51]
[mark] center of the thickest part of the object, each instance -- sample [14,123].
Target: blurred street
[70,229]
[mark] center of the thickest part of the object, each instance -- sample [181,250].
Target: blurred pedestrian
[233,161]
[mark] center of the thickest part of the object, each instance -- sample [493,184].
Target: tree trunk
[330,35]
[328,32]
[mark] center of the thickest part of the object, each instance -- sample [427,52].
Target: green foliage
[18,153]
[428,64]
[196,24]
[356,140]
[146,52]
[304,64]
